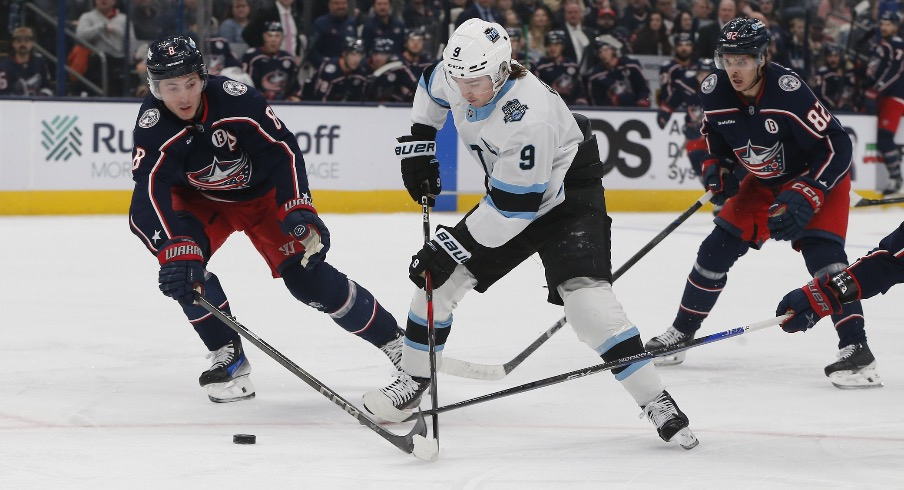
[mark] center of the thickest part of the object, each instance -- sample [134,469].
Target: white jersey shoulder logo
[514,110]
[789,83]
[234,88]
[709,84]
[149,118]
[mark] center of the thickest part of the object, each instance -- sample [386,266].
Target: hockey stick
[431,327]
[858,201]
[606,366]
[414,442]
[490,372]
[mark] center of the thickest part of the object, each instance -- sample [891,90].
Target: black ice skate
[395,402]
[670,338]
[670,421]
[228,379]
[894,187]
[393,349]
[855,368]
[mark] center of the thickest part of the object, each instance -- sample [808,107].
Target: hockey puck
[244,439]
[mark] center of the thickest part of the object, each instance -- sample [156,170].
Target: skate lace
[659,411]
[393,350]
[846,352]
[401,390]
[222,357]
[671,336]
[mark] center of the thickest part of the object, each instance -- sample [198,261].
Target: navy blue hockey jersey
[783,134]
[334,85]
[562,76]
[32,78]
[275,76]
[238,149]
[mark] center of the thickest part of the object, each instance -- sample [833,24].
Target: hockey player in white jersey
[544,195]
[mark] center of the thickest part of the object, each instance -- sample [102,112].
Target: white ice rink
[100,372]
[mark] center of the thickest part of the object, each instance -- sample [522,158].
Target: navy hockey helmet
[832,48]
[554,37]
[682,38]
[383,45]
[705,65]
[891,16]
[743,36]
[607,40]
[353,45]
[174,57]
[273,26]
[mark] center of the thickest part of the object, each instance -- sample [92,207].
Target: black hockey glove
[181,269]
[820,297]
[419,163]
[663,115]
[794,207]
[441,256]
[299,219]
[719,178]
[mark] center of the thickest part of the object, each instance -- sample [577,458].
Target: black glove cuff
[844,287]
[423,131]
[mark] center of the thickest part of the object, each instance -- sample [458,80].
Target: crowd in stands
[375,50]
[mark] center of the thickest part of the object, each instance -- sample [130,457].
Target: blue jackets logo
[225,175]
[762,162]
[513,110]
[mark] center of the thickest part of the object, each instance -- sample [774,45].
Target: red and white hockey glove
[299,219]
[181,269]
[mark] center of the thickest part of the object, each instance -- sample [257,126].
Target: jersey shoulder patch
[234,88]
[513,111]
[789,83]
[709,83]
[149,118]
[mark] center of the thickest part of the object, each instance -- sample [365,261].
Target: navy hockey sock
[824,256]
[700,295]
[213,332]
[351,306]
[849,325]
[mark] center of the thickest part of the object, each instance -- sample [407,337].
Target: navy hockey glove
[441,256]
[181,269]
[663,115]
[794,208]
[299,219]
[719,179]
[818,298]
[419,163]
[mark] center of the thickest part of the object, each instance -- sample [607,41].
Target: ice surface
[100,374]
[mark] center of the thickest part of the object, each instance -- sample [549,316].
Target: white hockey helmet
[479,48]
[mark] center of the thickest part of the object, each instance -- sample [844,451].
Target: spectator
[605,22]
[707,35]
[702,12]
[171,20]
[273,70]
[144,20]
[539,24]
[517,39]
[560,72]
[770,14]
[652,37]
[421,15]
[795,47]
[578,45]
[635,15]
[390,79]
[510,19]
[24,72]
[618,80]
[480,9]
[414,56]
[343,78]
[105,28]
[288,14]
[667,9]
[231,28]
[525,9]
[684,22]
[330,31]
[383,25]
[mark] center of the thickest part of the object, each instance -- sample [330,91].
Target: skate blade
[670,360]
[685,438]
[234,390]
[856,380]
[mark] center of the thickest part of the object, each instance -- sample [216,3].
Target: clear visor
[471,87]
[176,88]
[737,61]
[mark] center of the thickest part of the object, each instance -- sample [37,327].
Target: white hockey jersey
[525,140]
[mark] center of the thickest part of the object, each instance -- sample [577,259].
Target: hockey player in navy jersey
[544,195]
[559,73]
[679,83]
[834,83]
[390,80]
[273,71]
[415,57]
[342,79]
[885,73]
[829,294]
[211,158]
[763,116]
[617,80]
